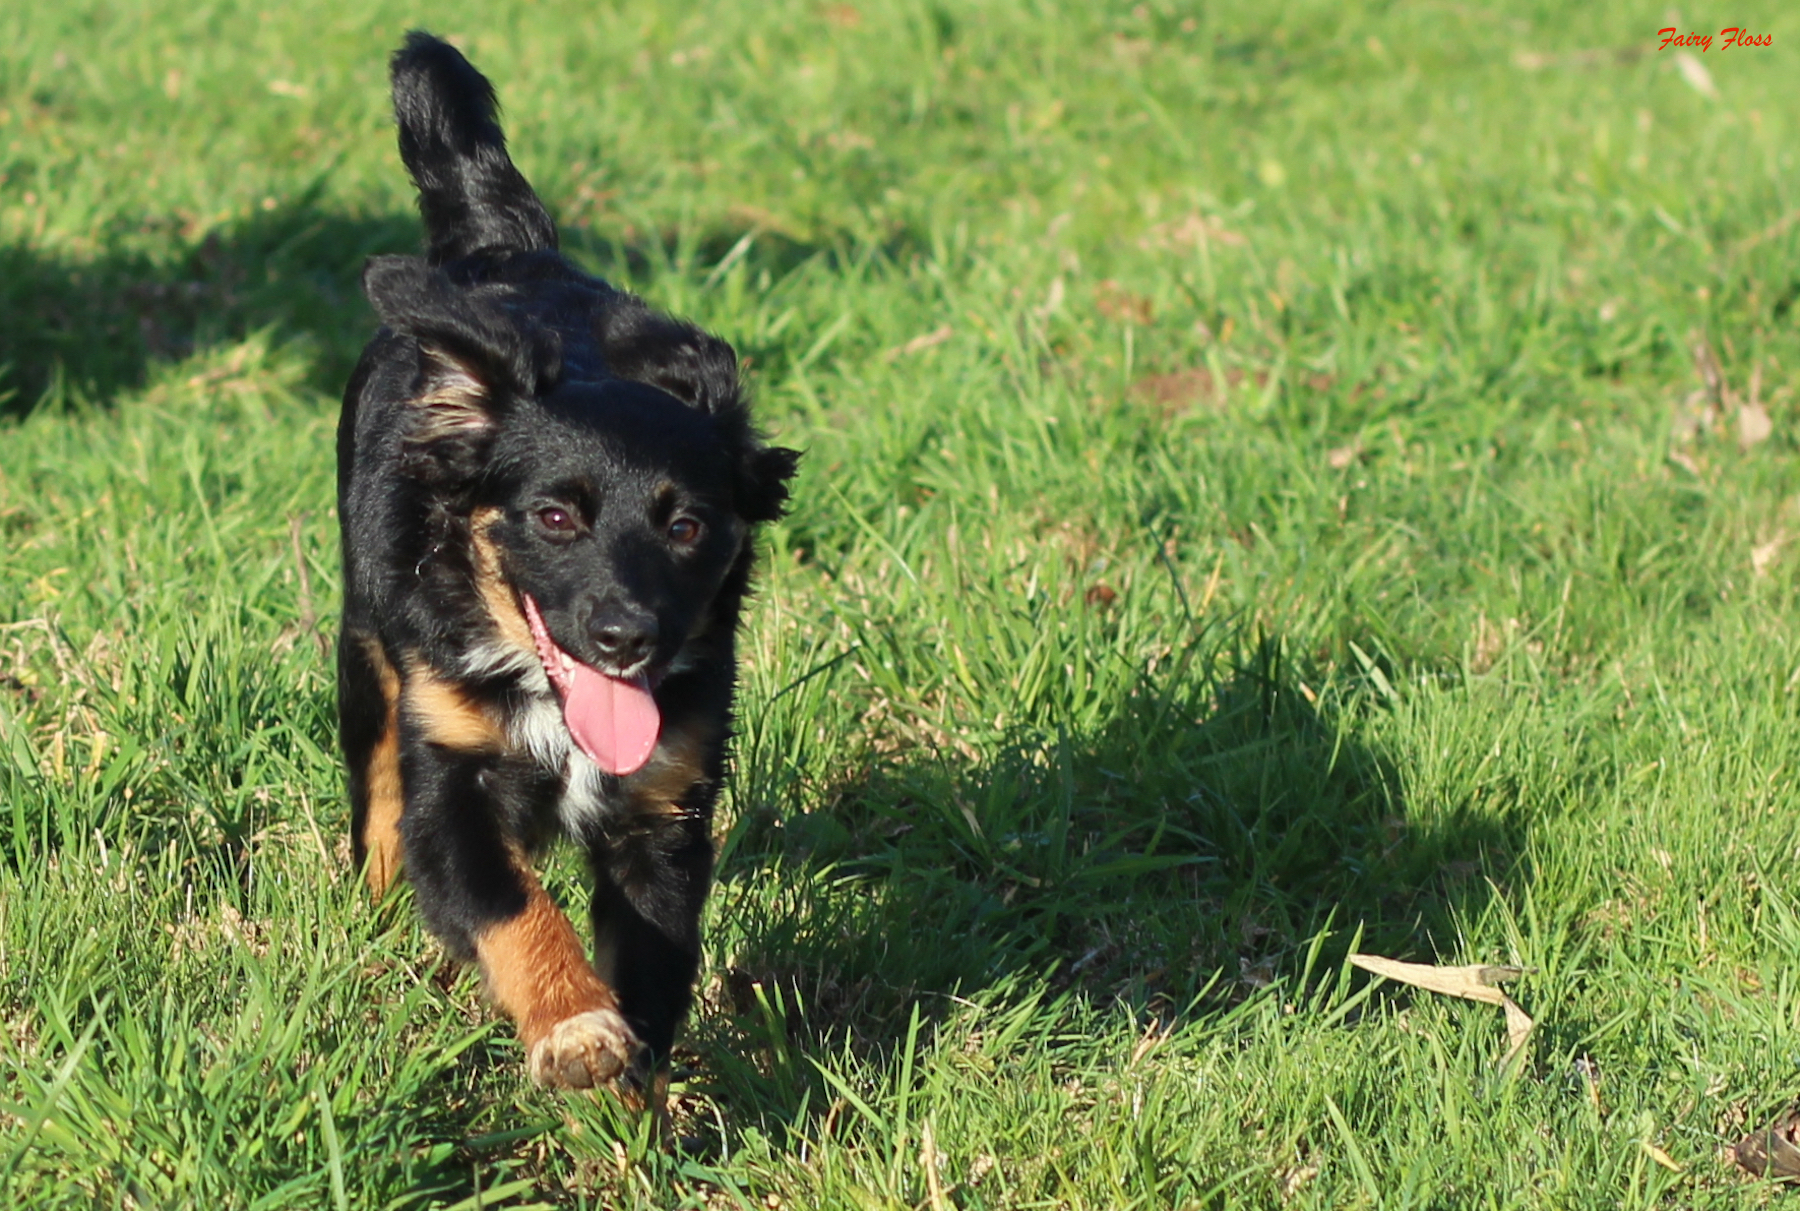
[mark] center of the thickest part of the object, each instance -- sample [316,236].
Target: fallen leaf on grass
[1695,73]
[919,344]
[1117,303]
[1294,1180]
[1194,231]
[1660,1157]
[1518,1029]
[1175,392]
[1754,425]
[1257,975]
[1763,556]
[1475,982]
[1771,1152]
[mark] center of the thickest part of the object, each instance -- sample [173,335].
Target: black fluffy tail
[471,196]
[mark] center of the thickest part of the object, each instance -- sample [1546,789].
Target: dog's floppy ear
[697,368]
[762,489]
[671,355]
[474,360]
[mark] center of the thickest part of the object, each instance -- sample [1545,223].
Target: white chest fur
[539,729]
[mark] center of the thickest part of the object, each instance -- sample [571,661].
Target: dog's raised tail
[472,198]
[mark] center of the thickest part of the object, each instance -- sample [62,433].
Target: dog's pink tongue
[615,722]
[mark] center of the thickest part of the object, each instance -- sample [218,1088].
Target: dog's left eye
[684,531]
[557,521]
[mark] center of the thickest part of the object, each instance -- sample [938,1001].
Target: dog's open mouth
[615,721]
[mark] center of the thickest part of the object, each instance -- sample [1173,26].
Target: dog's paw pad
[590,1049]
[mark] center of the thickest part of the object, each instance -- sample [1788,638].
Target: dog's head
[609,514]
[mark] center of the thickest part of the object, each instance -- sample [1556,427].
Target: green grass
[1286,541]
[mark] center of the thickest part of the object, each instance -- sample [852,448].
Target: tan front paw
[584,1051]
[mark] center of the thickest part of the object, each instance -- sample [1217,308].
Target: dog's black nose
[624,635]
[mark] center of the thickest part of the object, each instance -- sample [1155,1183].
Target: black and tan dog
[547,493]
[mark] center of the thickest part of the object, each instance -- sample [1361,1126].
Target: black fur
[505,391]
[471,196]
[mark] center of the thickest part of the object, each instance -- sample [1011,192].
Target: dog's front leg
[651,882]
[568,1019]
[477,892]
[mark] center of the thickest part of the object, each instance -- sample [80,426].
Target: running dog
[548,493]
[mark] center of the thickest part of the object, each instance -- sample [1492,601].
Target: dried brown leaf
[920,343]
[1177,391]
[1117,303]
[1491,641]
[1518,1029]
[1295,1179]
[1771,1152]
[1753,425]
[1696,75]
[1193,231]
[1762,557]
[1475,982]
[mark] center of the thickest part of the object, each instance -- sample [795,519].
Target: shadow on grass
[1178,860]
[87,329]
[90,329]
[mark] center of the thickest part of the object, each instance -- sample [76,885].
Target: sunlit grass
[1259,500]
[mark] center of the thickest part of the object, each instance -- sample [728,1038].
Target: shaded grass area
[1259,503]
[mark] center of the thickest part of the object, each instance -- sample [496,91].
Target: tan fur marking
[496,593]
[386,798]
[447,715]
[671,773]
[534,966]
[456,402]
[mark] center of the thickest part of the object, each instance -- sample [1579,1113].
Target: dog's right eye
[557,521]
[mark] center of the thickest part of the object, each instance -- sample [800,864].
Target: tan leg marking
[381,783]
[673,770]
[446,714]
[568,1019]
